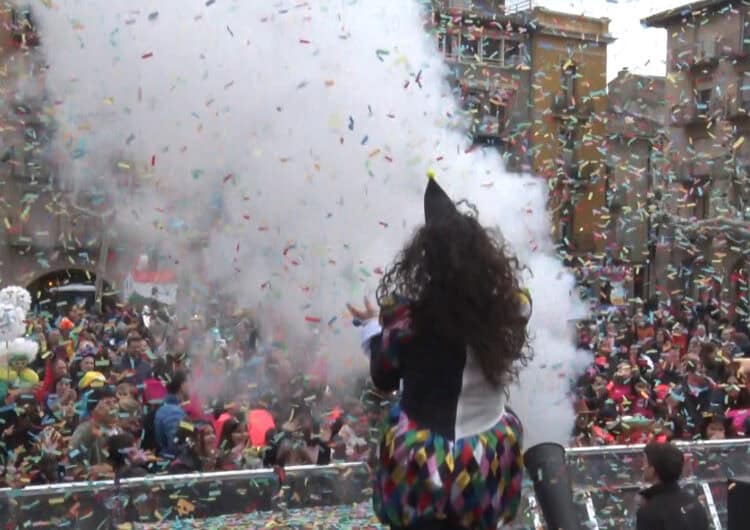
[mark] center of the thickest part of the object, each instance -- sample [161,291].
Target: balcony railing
[488,126]
[629,125]
[687,114]
[488,7]
[738,106]
[706,54]
[564,105]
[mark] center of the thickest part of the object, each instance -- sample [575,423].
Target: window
[567,139]
[492,50]
[511,53]
[492,119]
[34,168]
[568,154]
[472,102]
[704,99]
[740,194]
[497,109]
[569,83]
[469,46]
[701,196]
[609,186]
[446,43]
[566,225]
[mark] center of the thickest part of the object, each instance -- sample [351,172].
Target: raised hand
[368,313]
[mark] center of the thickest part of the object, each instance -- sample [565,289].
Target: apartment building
[705,189]
[635,139]
[534,81]
[50,235]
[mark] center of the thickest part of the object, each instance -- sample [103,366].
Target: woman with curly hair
[451,335]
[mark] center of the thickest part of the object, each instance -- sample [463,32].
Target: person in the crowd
[16,375]
[208,448]
[129,416]
[170,414]
[187,458]
[666,506]
[135,366]
[125,457]
[88,445]
[231,442]
[60,405]
[83,362]
[451,331]
[56,368]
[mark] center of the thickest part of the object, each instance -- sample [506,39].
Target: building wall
[634,136]
[707,121]
[534,107]
[487,52]
[562,41]
[40,232]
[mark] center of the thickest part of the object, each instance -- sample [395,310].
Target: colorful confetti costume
[450,451]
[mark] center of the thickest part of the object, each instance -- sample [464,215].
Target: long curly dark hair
[462,284]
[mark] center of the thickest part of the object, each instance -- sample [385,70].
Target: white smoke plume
[294,136]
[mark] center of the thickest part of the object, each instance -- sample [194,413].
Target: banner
[156,285]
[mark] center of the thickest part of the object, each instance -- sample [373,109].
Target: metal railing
[606,482]
[510,7]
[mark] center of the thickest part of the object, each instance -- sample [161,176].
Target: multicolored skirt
[474,482]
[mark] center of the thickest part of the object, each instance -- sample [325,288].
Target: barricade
[606,482]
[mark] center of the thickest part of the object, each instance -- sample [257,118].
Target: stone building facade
[50,235]
[534,81]
[635,138]
[705,201]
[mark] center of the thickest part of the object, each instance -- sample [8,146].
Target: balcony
[738,106]
[616,197]
[488,126]
[706,55]
[632,126]
[568,168]
[566,106]
[689,114]
[487,7]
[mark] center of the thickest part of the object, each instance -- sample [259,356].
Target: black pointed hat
[437,204]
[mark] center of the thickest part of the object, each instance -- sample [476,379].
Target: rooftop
[627,75]
[693,9]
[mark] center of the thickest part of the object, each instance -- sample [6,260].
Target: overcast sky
[642,50]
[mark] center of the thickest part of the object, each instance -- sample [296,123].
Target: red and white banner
[158,285]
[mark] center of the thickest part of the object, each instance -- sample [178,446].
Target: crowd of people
[128,393]
[676,370]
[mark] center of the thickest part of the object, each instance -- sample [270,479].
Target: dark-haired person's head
[101,404]
[462,282]
[664,463]
[229,430]
[135,344]
[178,385]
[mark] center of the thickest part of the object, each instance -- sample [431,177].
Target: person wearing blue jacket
[170,414]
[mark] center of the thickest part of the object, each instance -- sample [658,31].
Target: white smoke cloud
[294,136]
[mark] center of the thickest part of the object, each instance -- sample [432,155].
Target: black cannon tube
[546,466]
